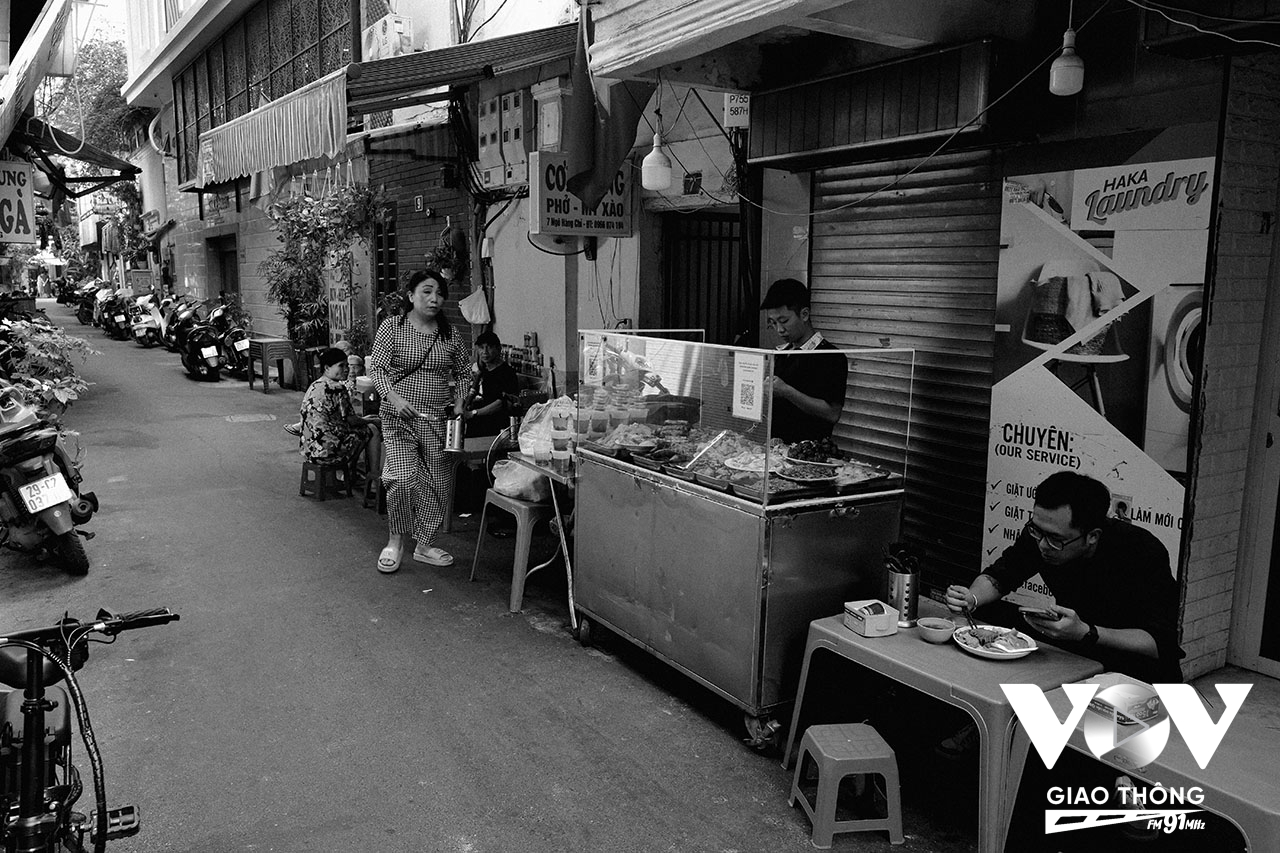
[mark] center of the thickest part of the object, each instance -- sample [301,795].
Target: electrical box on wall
[506,133]
[390,35]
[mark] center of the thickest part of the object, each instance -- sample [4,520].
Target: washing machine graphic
[1173,365]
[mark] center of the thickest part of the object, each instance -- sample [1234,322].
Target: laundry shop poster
[1098,341]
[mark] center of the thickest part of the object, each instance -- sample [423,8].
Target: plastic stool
[527,514]
[324,481]
[839,751]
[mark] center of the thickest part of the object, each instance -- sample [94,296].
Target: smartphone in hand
[1040,613]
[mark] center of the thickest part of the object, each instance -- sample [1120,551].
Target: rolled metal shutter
[915,266]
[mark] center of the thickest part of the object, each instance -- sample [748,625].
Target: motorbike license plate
[140,332]
[45,493]
[208,352]
[120,318]
[242,344]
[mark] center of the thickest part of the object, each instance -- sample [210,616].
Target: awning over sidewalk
[305,124]
[401,81]
[45,141]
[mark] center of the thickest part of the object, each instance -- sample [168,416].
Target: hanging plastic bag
[517,481]
[540,420]
[475,308]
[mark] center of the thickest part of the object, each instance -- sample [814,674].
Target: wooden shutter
[702,280]
[915,266]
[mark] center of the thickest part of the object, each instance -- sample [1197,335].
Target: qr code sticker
[747,395]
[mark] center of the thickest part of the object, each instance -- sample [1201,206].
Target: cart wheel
[763,733]
[584,631]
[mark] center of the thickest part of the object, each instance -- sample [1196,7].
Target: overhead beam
[867,34]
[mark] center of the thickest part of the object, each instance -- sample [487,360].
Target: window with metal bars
[386,272]
[275,47]
[702,286]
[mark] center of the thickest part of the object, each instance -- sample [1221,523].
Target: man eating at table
[1115,597]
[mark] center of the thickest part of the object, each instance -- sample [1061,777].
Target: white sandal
[433,557]
[389,560]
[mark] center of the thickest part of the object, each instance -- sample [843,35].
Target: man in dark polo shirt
[1115,598]
[808,391]
[491,382]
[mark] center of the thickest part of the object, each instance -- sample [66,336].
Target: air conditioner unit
[390,35]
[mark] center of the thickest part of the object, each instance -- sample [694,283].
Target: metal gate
[702,275]
[915,266]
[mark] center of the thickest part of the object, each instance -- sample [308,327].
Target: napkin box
[870,617]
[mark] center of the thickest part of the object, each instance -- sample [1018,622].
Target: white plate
[208,352]
[817,481]
[993,653]
[45,492]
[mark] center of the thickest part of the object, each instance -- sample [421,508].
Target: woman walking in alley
[420,365]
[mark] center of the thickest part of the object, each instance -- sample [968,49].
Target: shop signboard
[555,210]
[1101,280]
[17,211]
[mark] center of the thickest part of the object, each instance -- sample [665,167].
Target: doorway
[1256,630]
[703,285]
[224,258]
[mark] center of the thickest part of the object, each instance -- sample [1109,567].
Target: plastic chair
[527,514]
[839,751]
[325,480]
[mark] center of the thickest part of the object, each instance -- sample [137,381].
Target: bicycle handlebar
[105,623]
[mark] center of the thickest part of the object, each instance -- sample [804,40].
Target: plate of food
[640,446]
[994,642]
[830,463]
[753,461]
[820,452]
[808,472]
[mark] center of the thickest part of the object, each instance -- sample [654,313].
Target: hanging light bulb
[1066,75]
[655,169]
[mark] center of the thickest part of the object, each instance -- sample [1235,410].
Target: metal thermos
[904,589]
[453,433]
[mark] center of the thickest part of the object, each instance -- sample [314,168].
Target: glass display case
[727,419]
[717,514]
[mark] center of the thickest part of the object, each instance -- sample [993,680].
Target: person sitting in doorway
[332,433]
[492,381]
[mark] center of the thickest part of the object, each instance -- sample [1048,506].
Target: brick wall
[416,233]
[1250,173]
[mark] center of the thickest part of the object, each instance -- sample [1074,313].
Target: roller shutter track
[916,264]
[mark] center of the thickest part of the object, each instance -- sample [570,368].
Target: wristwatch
[1091,636]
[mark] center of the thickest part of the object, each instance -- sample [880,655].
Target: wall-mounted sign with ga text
[17,207]
[555,210]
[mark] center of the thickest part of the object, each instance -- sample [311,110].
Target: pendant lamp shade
[1066,75]
[655,169]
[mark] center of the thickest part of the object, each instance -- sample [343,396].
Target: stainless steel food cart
[719,585]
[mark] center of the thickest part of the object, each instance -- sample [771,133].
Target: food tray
[711,482]
[599,448]
[646,462]
[678,472]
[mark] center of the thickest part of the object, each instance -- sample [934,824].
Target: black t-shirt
[821,376]
[487,386]
[1125,584]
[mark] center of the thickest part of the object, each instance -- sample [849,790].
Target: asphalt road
[306,703]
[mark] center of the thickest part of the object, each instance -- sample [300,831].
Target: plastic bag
[517,481]
[475,308]
[540,420]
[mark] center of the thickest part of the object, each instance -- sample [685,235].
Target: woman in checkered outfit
[415,359]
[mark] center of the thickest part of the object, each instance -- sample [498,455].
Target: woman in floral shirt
[331,430]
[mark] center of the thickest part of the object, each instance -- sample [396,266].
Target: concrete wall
[1250,174]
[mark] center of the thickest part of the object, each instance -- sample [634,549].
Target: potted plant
[451,256]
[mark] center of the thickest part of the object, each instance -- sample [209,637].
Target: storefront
[933,192]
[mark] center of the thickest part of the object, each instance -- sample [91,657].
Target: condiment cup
[934,629]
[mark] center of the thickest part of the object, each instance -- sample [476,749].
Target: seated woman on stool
[332,433]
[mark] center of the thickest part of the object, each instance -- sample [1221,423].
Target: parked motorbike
[115,315]
[39,784]
[40,499]
[201,353]
[87,301]
[233,336]
[144,320]
[181,318]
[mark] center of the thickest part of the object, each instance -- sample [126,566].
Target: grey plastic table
[957,678]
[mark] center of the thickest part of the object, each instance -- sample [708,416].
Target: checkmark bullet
[990,551]
[992,529]
[996,485]
[994,505]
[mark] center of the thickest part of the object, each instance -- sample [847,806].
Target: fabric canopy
[307,123]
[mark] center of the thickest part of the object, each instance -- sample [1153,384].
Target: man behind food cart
[808,391]
[1115,598]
